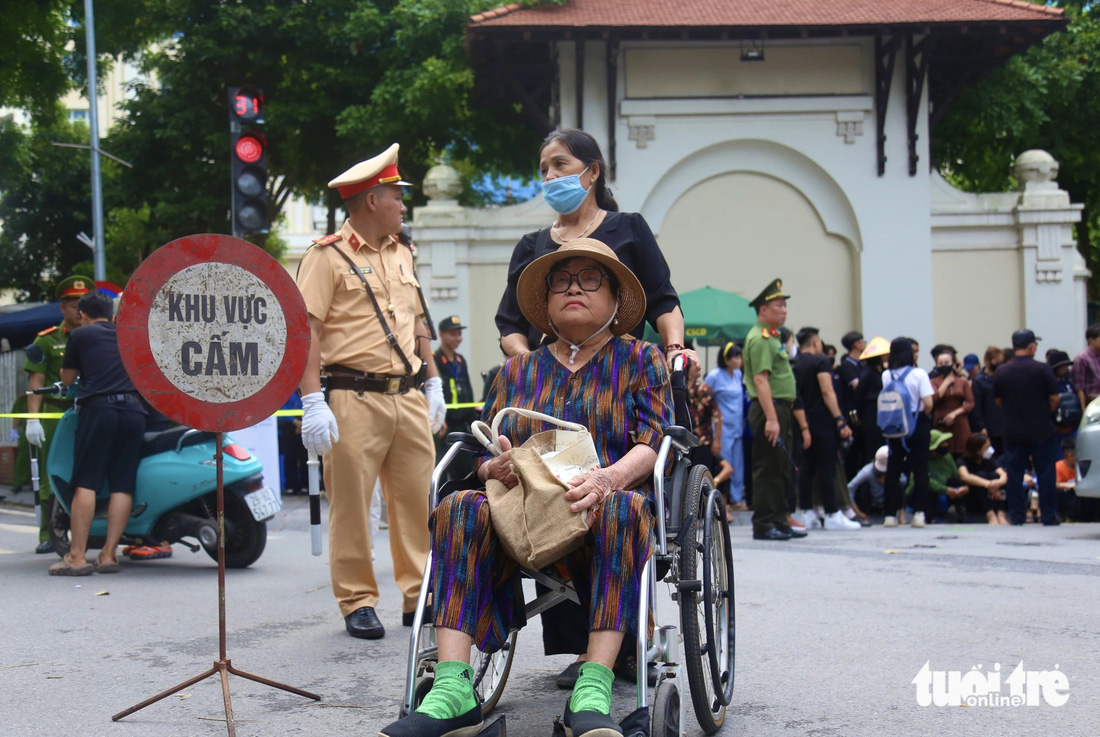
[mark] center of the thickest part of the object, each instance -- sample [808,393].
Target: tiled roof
[762,13]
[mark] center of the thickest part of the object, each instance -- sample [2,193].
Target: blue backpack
[897,415]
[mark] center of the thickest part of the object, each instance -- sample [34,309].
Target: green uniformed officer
[771,387]
[43,365]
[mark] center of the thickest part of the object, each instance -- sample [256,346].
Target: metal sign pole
[223,666]
[184,292]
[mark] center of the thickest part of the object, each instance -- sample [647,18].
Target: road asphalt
[832,631]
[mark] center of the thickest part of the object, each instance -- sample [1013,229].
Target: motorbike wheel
[245,538]
[59,528]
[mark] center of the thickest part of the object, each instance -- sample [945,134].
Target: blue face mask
[565,194]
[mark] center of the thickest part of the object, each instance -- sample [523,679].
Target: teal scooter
[175,496]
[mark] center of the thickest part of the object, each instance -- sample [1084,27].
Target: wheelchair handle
[487,435]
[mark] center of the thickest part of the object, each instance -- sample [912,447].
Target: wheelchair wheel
[706,599]
[491,672]
[665,721]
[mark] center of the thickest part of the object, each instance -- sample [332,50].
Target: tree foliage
[1045,98]
[43,50]
[341,80]
[44,205]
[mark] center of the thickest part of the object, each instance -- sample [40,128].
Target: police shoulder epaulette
[327,239]
[47,331]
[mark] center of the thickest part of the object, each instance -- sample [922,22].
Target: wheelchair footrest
[497,728]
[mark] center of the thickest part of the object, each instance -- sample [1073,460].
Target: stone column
[1052,272]
[439,231]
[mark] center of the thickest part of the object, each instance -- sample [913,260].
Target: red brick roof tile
[769,13]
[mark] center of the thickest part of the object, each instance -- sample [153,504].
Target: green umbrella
[712,317]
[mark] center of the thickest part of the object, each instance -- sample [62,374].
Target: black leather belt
[380,383]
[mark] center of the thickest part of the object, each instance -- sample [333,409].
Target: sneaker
[805,517]
[147,552]
[837,521]
[795,523]
[918,519]
[890,521]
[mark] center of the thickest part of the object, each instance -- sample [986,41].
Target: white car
[1088,452]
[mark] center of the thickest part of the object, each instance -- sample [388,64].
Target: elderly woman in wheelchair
[618,388]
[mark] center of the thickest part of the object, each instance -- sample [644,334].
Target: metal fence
[13,382]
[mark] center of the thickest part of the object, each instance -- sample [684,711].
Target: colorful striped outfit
[622,396]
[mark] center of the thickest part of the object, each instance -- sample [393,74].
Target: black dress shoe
[44,547]
[429,616]
[791,531]
[590,724]
[422,725]
[1051,522]
[771,534]
[363,623]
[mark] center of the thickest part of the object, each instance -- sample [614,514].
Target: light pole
[93,120]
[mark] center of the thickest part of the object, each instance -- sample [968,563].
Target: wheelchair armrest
[469,442]
[682,438]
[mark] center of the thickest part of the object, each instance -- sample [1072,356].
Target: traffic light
[248,161]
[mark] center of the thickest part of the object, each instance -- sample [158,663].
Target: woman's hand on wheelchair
[500,468]
[590,490]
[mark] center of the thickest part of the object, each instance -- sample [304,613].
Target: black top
[93,351]
[849,371]
[806,371]
[986,415]
[457,389]
[984,468]
[625,233]
[870,386]
[1024,387]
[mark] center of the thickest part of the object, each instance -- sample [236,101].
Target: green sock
[593,689]
[452,691]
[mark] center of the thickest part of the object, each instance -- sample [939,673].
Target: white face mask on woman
[988,453]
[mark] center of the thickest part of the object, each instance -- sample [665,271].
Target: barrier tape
[278,413]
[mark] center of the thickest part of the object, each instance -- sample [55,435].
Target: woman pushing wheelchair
[594,375]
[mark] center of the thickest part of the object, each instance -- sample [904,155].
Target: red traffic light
[249,148]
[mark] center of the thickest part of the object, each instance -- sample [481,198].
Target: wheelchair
[692,558]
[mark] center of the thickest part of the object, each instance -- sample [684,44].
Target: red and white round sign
[213,332]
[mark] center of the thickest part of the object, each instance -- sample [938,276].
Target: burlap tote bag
[533,520]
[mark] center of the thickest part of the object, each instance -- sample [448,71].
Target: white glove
[437,409]
[36,436]
[13,436]
[319,429]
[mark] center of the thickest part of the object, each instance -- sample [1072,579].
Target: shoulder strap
[390,337]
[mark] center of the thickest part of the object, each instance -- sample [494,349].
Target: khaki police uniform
[771,465]
[382,435]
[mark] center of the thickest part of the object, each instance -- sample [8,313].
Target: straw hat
[533,293]
[877,347]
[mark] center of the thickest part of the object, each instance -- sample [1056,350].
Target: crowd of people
[992,439]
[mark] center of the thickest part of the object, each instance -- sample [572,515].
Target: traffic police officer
[457,389]
[771,387]
[43,364]
[370,341]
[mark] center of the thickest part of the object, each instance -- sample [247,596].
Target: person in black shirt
[110,427]
[457,389]
[1028,393]
[987,414]
[849,373]
[574,179]
[814,379]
